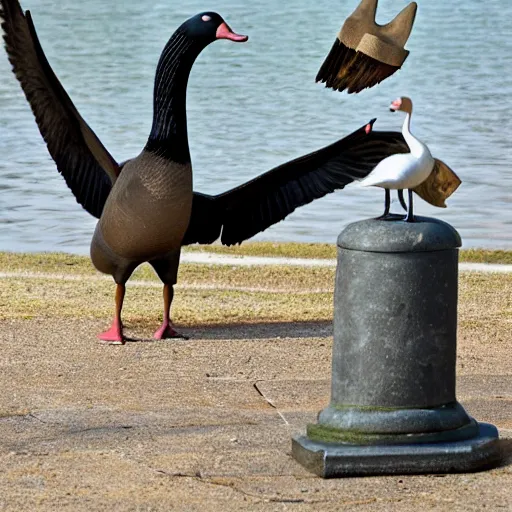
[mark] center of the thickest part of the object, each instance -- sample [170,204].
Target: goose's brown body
[145,217]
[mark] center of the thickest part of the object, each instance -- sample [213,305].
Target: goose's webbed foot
[114,335]
[167,331]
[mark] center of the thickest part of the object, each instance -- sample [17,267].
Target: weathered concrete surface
[394,359]
[205,424]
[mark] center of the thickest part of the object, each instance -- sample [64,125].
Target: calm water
[253,106]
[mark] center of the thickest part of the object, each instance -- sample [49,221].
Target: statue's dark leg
[401,199]
[410,213]
[387,204]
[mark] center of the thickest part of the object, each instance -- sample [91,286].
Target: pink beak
[224,32]
[396,105]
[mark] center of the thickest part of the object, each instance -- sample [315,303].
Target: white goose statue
[404,170]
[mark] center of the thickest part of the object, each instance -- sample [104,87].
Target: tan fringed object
[439,186]
[364,52]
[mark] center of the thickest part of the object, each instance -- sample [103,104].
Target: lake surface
[253,106]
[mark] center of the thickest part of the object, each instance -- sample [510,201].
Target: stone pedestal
[393,406]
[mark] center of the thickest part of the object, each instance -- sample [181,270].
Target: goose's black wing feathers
[251,208]
[87,167]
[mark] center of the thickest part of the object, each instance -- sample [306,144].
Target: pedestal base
[330,460]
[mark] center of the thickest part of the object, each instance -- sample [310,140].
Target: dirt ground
[206,424]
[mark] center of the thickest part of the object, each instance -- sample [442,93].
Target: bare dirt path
[205,424]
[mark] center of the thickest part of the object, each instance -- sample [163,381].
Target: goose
[402,171]
[146,206]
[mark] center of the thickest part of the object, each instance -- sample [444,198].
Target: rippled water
[253,106]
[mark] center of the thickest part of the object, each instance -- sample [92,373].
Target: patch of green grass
[486,256]
[59,263]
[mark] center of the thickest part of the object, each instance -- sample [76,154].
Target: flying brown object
[365,53]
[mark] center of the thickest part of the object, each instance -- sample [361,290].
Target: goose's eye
[206,18]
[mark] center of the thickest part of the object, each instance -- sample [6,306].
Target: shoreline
[212,259]
[268,253]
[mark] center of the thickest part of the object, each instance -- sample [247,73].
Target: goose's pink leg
[167,329]
[114,336]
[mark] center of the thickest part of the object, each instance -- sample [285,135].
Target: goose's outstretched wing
[87,167]
[251,208]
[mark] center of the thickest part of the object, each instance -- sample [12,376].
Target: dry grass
[69,264]
[485,309]
[213,294]
[283,250]
[60,263]
[273,277]
[206,294]
[486,256]
[42,298]
[328,251]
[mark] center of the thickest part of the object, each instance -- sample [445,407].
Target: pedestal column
[393,406]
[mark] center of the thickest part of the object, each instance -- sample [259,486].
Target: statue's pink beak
[395,105]
[224,32]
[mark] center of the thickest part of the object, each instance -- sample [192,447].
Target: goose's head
[207,27]
[402,103]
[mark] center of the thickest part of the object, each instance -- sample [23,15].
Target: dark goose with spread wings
[146,207]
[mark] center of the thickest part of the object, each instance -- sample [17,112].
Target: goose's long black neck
[168,137]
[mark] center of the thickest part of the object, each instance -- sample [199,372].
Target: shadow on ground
[263,330]
[506,452]
[253,331]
